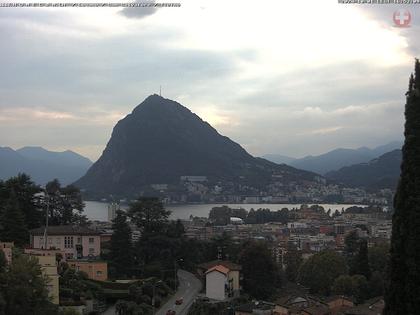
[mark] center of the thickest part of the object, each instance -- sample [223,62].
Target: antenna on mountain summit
[160,90]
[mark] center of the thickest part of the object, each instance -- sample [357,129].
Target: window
[50,240]
[91,240]
[58,241]
[91,251]
[68,241]
[99,273]
[79,240]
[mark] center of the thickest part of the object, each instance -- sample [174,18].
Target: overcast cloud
[277,76]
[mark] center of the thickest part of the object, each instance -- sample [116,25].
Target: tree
[13,228]
[361,288]
[224,248]
[362,261]
[343,285]
[121,261]
[65,204]
[75,285]
[376,284]
[351,249]
[24,193]
[149,215]
[336,214]
[259,270]
[379,258]
[3,264]
[293,260]
[175,229]
[355,286]
[402,295]
[351,243]
[319,271]
[26,292]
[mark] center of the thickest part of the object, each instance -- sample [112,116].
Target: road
[110,311]
[189,287]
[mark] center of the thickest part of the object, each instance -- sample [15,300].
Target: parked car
[170,312]
[179,301]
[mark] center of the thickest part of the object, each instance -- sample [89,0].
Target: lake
[95,210]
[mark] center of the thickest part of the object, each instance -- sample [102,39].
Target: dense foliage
[149,215]
[261,276]
[65,204]
[319,271]
[23,206]
[23,288]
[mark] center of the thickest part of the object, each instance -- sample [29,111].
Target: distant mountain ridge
[383,172]
[336,159]
[279,158]
[161,140]
[43,165]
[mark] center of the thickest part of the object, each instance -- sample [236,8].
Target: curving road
[189,287]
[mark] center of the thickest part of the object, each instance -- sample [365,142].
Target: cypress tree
[121,250]
[362,260]
[403,290]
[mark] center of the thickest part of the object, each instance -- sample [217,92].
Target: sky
[286,77]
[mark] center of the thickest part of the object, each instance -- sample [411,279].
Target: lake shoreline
[95,210]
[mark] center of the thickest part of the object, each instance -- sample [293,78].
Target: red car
[170,312]
[179,301]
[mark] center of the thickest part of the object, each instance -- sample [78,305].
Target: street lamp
[47,211]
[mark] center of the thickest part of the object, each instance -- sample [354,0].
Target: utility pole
[47,210]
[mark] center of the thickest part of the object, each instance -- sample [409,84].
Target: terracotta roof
[225,263]
[219,268]
[64,230]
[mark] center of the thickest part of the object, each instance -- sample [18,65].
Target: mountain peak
[158,108]
[161,141]
[32,148]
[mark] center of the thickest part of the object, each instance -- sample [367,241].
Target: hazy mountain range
[335,159]
[43,165]
[161,140]
[382,172]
